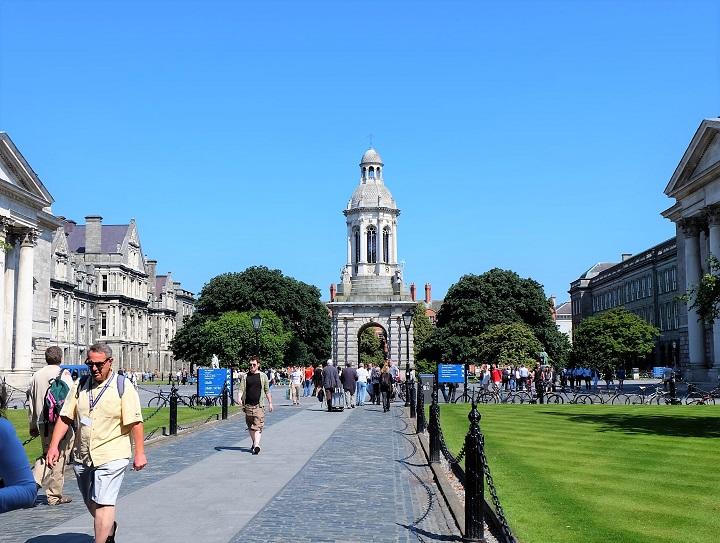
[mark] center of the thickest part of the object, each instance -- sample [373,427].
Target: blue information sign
[451,373]
[211,381]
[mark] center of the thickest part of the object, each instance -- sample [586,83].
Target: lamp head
[257,321]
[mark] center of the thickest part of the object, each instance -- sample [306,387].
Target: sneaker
[111,538]
[63,499]
[256,450]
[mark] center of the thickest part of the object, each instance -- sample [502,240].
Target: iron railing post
[474,474]
[173,411]
[225,402]
[435,424]
[420,407]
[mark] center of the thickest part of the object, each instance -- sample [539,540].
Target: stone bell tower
[371,291]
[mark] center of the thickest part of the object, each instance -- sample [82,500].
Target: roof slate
[112,235]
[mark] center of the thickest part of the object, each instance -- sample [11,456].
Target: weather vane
[370,137]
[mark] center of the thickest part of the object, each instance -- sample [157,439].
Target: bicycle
[512,396]
[697,396]
[159,400]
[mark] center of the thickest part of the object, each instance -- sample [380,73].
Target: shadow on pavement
[241,449]
[430,536]
[70,537]
[663,425]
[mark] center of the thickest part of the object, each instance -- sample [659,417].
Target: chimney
[332,292]
[151,268]
[553,301]
[93,233]
[625,256]
[412,291]
[428,295]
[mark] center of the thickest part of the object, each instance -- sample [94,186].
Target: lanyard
[90,396]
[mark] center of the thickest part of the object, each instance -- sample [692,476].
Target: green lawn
[186,417]
[618,474]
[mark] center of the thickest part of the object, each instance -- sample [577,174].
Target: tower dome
[371,156]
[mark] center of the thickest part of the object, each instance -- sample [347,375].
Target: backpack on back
[54,400]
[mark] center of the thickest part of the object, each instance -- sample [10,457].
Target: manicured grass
[619,474]
[186,417]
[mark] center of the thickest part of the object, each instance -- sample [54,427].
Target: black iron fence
[473,475]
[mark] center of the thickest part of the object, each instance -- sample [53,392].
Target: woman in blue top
[19,488]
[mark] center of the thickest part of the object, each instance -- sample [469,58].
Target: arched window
[356,241]
[377,172]
[364,172]
[371,172]
[386,245]
[371,244]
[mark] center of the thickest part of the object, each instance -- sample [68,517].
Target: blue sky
[533,136]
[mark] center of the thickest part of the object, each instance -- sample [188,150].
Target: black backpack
[386,379]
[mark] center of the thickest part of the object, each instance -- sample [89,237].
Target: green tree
[612,337]
[509,344]
[190,341]
[705,296]
[371,347]
[297,304]
[422,330]
[476,302]
[232,337]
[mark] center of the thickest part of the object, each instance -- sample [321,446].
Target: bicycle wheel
[554,398]
[620,399]
[522,397]
[583,399]
[636,399]
[488,397]
[157,401]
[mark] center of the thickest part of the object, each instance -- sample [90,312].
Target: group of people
[89,423]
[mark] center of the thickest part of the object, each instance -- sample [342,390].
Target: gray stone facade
[371,291]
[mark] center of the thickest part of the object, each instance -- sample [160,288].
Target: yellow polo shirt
[107,436]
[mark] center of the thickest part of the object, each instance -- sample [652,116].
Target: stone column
[363,243]
[714,223]
[10,280]
[4,223]
[349,247]
[24,310]
[393,233]
[696,343]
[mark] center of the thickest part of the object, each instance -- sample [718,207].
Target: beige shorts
[254,417]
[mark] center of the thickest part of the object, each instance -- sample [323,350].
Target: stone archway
[382,336]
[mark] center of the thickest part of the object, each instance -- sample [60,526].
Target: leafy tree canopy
[232,337]
[705,296]
[509,344]
[371,347]
[422,330]
[297,304]
[477,302]
[612,337]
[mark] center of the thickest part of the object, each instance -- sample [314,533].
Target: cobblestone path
[351,476]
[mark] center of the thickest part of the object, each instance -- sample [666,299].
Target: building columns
[24,311]
[693,269]
[4,356]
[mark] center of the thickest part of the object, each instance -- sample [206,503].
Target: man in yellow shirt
[106,412]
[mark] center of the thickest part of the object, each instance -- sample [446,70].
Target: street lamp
[407,321]
[257,323]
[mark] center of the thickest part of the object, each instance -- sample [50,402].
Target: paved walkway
[352,476]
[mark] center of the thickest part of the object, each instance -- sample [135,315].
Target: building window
[371,244]
[371,172]
[104,283]
[673,279]
[676,320]
[668,314]
[356,240]
[386,245]
[103,323]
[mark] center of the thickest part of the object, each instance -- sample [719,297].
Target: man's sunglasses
[98,365]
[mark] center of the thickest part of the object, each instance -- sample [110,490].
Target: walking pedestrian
[331,381]
[539,380]
[317,379]
[296,378]
[307,385]
[386,383]
[105,409]
[375,384]
[524,373]
[620,374]
[349,379]
[254,389]
[362,383]
[48,389]
[19,490]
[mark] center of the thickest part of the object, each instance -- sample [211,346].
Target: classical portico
[371,291]
[695,186]
[26,226]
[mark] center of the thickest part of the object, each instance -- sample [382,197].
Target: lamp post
[256,324]
[407,321]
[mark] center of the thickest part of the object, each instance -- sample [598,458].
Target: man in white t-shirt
[296,379]
[362,382]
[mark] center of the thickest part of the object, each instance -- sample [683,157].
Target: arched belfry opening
[371,295]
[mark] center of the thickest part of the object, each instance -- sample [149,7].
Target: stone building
[645,284]
[26,232]
[105,289]
[695,187]
[371,292]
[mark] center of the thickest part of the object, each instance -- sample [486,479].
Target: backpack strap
[83,381]
[120,384]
